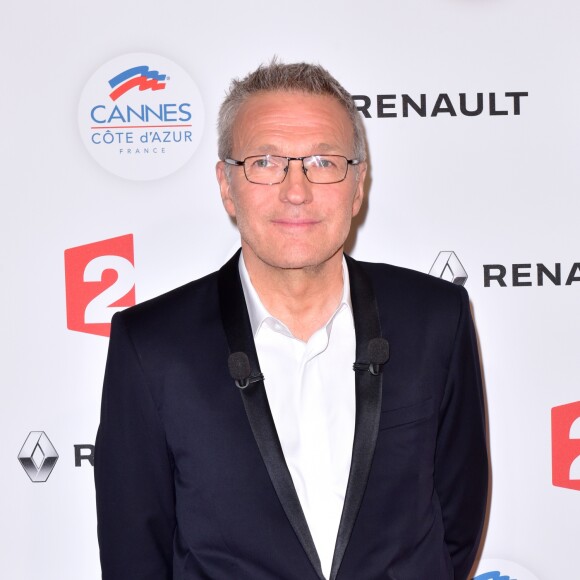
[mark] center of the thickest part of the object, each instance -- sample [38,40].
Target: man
[236,440]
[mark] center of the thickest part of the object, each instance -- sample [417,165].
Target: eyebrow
[275,150]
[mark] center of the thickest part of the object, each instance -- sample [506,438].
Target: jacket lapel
[238,330]
[368,406]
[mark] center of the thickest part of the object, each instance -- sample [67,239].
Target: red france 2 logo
[566,446]
[100,280]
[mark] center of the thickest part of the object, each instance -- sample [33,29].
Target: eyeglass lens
[271,169]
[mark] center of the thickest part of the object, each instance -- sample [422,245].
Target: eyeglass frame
[238,163]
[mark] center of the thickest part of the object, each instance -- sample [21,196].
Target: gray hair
[276,76]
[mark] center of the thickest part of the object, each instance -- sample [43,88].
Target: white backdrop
[495,189]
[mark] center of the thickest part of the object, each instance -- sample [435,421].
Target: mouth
[295,222]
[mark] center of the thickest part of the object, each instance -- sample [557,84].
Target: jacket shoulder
[407,278]
[186,305]
[413,290]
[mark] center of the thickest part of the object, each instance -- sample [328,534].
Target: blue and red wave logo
[137,76]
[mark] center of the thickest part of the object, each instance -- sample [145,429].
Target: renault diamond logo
[448,267]
[38,456]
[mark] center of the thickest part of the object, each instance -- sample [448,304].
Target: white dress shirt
[311,392]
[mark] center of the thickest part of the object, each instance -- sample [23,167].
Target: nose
[295,188]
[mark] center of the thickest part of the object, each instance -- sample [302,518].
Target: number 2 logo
[100,280]
[566,446]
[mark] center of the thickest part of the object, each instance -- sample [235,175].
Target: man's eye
[324,163]
[262,163]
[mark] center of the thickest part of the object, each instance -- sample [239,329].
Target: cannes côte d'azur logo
[141,116]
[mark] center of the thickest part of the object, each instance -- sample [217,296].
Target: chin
[294,260]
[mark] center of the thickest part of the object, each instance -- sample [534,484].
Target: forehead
[282,122]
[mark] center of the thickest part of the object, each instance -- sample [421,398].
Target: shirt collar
[258,313]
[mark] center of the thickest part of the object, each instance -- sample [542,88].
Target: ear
[225,188]
[359,192]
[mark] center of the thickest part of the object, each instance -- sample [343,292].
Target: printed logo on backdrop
[566,446]
[100,280]
[444,105]
[538,274]
[38,456]
[494,569]
[141,116]
[448,267]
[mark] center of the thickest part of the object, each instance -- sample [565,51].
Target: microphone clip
[247,381]
[373,368]
[378,355]
[241,371]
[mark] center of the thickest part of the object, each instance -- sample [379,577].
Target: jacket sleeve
[461,465]
[133,471]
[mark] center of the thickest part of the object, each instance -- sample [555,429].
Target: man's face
[294,224]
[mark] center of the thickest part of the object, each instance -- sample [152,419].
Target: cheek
[236,200]
[351,205]
[248,211]
[340,224]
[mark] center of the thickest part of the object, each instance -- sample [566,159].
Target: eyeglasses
[272,169]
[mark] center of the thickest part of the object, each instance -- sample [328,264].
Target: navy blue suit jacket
[190,476]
